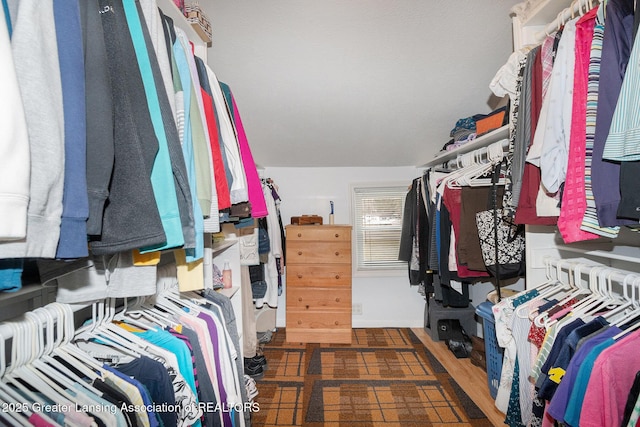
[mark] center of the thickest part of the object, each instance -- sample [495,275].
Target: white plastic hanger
[622,311]
[86,364]
[550,287]
[45,325]
[39,378]
[15,418]
[634,314]
[542,317]
[124,316]
[18,373]
[59,372]
[601,298]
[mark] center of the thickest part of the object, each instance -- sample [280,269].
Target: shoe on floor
[264,337]
[253,369]
[261,360]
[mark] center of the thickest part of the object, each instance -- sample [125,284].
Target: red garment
[452,199]
[526,212]
[574,199]
[222,186]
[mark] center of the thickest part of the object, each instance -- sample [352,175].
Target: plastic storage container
[492,349]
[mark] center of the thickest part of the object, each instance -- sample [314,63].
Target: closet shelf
[26,292]
[605,250]
[170,9]
[220,247]
[541,12]
[229,292]
[480,142]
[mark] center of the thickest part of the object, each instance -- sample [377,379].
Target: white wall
[314,79]
[386,301]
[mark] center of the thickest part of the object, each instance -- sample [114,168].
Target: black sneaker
[261,360]
[252,369]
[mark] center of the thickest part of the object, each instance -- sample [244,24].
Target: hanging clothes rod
[487,154]
[577,8]
[612,274]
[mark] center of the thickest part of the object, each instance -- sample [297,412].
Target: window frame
[358,270]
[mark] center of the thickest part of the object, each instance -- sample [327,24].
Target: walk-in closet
[330,213]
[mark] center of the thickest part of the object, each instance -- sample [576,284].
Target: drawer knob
[299,322]
[299,234]
[337,323]
[337,235]
[337,299]
[299,252]
[299,276]
[300,299]
[337,253]
[307,307]
[337,276]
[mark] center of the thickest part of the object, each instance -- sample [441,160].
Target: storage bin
[492,349]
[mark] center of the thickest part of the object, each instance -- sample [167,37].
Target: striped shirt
[623,142]
[590,220]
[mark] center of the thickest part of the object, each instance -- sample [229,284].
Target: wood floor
[471,378]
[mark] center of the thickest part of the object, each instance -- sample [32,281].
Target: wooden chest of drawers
[318,283]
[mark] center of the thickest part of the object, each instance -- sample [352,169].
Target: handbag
[502,242]
[249,249]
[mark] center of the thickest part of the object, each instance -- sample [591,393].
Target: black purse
[502,242]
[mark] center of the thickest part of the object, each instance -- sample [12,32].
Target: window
[377,224]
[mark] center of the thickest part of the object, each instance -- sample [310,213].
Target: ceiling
[356,82]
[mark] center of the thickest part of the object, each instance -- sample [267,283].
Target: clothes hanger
[17,376]
[622,311]
[126,345]
[13,398]
[634,313]
[464,163]
[138,310]
[476,176]
[68,351]
[25,405]
[17,352]
[193,307]
[601,299]
[495,155]
[195,298]
[593,285]
[87,364]
[543,317]
[9,395]
[11,417]
[43,362]
[550,287]
[123,316]
[106,334]
[35,334]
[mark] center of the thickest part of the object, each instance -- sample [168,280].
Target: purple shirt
[558,404]
[616,48]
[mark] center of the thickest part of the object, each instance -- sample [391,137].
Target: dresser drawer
[315,252]
[318,232]
[318,320]
[319,275]
[318,299]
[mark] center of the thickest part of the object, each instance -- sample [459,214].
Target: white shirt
[550,146]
